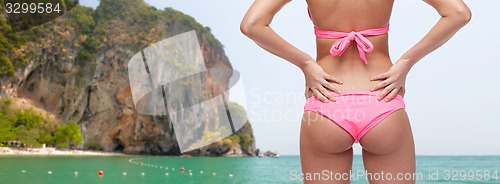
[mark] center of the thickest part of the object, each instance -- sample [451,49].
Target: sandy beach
[52,151]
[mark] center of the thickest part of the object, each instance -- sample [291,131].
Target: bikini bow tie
[340,46]
[364,45]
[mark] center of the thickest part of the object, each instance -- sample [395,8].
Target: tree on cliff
[68,135]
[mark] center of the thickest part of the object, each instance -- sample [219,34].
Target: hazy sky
[451,95]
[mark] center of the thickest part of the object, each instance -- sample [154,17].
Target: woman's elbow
[251,26]
[247,27]
[463,15]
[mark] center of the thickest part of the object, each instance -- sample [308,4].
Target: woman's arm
[454,15]
[255,25]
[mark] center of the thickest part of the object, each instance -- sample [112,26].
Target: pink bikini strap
[364,45]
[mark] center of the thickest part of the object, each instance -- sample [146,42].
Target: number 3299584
[32,8]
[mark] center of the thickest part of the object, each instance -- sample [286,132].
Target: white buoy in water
[166,174]
[143,174]
[124,174]
[166,167]
[201,172]
[161,167]
[213,174]
[190,174]
[50,172]
[173,169]
[76,173]
[230,175]
[190,170]
[23,171]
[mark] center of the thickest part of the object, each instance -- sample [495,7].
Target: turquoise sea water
[35,169]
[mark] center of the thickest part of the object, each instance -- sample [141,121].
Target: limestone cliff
[75,68]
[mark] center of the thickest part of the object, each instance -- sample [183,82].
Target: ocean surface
[217,170]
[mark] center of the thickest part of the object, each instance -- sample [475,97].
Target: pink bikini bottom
[355,111]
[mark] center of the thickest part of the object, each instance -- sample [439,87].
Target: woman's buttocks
[350,68]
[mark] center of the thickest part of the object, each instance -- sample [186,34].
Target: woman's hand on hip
[391,82]
[317,82]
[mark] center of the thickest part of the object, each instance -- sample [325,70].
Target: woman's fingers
[391,84]
[381,85]
[392,94]
[321,85]
[380,77]
[330,87]
[319,95]
[326,93]
[333,79]
[385,92]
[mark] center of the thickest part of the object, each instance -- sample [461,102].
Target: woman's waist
[354,73]
[349,65]
[354,84]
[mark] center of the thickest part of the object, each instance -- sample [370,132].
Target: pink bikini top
[364,45]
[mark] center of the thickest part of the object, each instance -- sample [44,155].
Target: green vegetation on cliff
[243,137]
[244,140]
[128,22]
[16,49]
[68,134]
[33,129]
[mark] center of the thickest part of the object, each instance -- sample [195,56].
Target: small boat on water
[269,154]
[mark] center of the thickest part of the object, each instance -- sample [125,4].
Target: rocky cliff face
[75,68]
